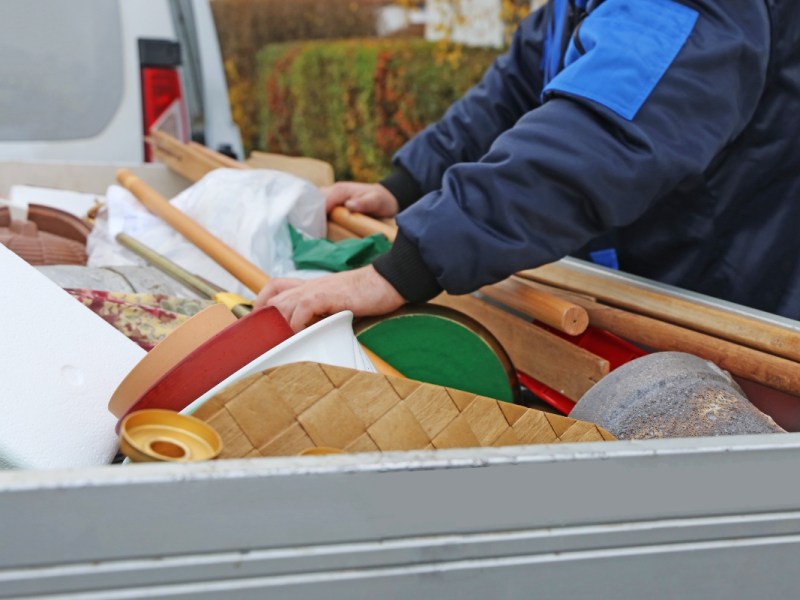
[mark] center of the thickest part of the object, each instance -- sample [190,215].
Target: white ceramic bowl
[330,341]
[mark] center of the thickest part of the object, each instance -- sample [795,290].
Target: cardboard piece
[289,409]
[318,172]
[61,364]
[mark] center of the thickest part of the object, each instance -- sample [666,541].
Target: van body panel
[102,37]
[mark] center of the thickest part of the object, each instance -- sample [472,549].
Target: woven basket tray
[289,409]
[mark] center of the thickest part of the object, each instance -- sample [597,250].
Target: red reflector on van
[162,104]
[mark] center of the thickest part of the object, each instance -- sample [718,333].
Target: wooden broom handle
[360,224]
[548,308]
[718,322]
[233,262]
[770,370]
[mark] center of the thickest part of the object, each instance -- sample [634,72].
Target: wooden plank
[717,322]
[557,363]
[773,371]
[180,157]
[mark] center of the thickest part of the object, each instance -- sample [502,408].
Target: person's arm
[511,87]
[615,134]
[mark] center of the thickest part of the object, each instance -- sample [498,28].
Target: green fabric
[336,256]
[441,351]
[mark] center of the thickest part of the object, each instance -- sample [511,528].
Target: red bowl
[214,360]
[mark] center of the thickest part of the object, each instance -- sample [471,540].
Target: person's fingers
[337,194]
[302,303]
[376,201]
[302,316]
[273,288]
[368,198]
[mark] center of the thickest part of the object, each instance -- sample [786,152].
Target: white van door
[73,84]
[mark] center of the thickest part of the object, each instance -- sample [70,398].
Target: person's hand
[302,302]
[368,198]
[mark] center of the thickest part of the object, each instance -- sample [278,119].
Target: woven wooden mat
[289,409]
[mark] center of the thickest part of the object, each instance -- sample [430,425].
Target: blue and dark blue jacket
[673,124]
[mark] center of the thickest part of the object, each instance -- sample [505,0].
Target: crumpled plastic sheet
[247,209]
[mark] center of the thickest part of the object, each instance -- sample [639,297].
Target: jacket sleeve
[511,87]
[580,164]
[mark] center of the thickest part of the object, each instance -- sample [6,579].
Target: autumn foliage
[355,102]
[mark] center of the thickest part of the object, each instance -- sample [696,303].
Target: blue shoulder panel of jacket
[620,51]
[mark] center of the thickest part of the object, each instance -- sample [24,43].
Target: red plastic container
[214,360]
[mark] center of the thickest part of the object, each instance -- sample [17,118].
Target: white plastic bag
[247,209]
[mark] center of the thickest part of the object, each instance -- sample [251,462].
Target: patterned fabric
[145,318]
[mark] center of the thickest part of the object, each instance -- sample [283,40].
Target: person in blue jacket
[661,134]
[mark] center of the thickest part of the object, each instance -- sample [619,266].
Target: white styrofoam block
[60,365]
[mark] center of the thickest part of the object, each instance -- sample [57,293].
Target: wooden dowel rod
[552,310]
[549,309]
[559,364]
[233,262]
[717,322]
[361,224]
[773,371]
[336,233]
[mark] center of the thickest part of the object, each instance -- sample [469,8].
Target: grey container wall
[708,518]
[688,518]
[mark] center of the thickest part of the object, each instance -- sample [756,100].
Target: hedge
[353,103]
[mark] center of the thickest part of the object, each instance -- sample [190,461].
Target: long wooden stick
[233,262]
[717,322]
[770,370]
[526,344]
[361,225]
[228,258]
[547,308]
[238,305]
[572,319]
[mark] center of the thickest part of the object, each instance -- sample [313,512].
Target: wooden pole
[770,370]
[361,225]
[717,322]
[550,309]
[233,262]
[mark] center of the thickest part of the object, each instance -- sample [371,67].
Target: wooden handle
[233,262]
[717,322]
[361,225]
[336,233]
[773,371]
[559,313]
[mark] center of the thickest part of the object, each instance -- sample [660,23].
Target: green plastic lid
[444,347]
